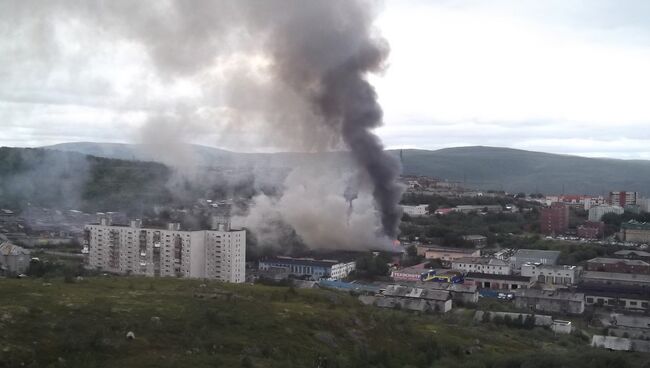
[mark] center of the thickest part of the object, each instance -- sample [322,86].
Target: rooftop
[487,276]
[482,261]
[627,262]
[535,253]
[301,261]
[418,293]
[638,253]
[634,225]
[550,267]
[474,237]
[449,249]
[550,294]
[615,276]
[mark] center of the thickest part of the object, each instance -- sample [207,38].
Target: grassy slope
[84,324]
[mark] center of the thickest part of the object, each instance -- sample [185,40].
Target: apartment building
[218,254]
[554,220]
[623,198]
[596,213]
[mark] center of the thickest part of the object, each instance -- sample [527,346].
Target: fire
[396,243]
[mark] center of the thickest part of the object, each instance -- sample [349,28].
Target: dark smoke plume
[339,90]
[284,74]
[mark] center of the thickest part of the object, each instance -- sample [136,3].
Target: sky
[563,76]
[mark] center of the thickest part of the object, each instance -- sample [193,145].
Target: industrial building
[313,268]
[498,282]
[413,274]
[551,274]
[555,301]
[408,298]
[523,256]
[618,265]
[635,232]
[447,254]
[481,265]
[218,254]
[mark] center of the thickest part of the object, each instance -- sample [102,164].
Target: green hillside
[480,167]
[76,181]
[186,323]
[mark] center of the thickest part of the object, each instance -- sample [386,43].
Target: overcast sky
[556,76]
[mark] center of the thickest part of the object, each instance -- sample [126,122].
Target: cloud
[518,73]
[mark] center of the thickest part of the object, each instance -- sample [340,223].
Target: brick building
[591,230]
[554,220]
[618,265]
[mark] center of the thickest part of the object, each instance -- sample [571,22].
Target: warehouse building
[313,268]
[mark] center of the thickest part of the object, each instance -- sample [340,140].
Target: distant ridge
[481,167]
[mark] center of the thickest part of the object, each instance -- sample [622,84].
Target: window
[590,300]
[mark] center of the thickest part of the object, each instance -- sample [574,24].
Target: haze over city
[324,183]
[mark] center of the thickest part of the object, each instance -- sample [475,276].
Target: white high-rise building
[213,254]
[596,213]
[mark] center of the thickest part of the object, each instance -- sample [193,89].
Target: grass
[52,323]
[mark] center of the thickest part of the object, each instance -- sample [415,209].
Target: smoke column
[339,89]
[287,75]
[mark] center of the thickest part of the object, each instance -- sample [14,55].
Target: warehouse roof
[628,262]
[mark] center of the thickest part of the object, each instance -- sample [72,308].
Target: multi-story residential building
[316,269]
[550,274]
[218,254]
[591,230]
[523,256]
[623,199]
[618,265]
[594,201]
[554,220]
[644,204]
[481,265]
[596,213]
[419,210]
[635,232]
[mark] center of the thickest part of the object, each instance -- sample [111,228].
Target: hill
[192,323]
[518,170]
[69,180]
[506,169]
